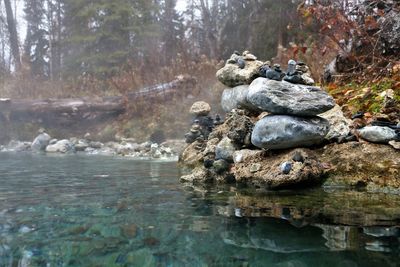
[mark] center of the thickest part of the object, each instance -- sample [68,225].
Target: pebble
[286,167]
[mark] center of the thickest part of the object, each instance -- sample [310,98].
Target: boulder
[200,108]
[286,98]
[377,134]
[62,146]
[282,131]
[236,98]
[339,124]
[232,75]
[225,149]
[41,142]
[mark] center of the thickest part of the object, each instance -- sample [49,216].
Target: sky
[181,5]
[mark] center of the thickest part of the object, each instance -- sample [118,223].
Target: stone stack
[262,115]
[294,108]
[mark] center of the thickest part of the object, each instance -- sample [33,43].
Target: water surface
[103,211]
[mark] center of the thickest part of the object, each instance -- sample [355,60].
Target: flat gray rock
[290,99]
[282,131]
[377,134]
[236,97]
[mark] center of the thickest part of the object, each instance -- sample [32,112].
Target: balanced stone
[287,98]
[377,134]
[200,108]
[232,75]
[282,131]
[235,98]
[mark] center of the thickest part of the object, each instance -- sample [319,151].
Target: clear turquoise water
[99,211]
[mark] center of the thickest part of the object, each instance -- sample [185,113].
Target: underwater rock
[41,141]
[62,146]
[200,108]
[232,75]
[377,134]
[339,124]
[289,99]
[237,98]
[282,131]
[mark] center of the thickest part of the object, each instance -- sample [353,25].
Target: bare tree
[13,35]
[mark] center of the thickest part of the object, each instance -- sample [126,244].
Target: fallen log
[64,112]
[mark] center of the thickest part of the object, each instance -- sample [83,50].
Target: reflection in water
[99,211]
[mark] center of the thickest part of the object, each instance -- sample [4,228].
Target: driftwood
[85,110]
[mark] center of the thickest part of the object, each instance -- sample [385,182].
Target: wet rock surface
[287,98]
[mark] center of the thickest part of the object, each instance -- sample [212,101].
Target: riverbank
[281,131]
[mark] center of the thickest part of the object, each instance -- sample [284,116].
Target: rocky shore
[43,143]
[281,131]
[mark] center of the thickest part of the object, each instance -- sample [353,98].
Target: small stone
[377,134]
[298,157]
[208,163]
[200,108]
[275,73]
[255,167]
[220,166]
[225,149]
[286,167]
[395,144]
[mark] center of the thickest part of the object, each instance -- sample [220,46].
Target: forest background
[93,48]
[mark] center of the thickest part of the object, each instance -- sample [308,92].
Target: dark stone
[298,157]
[275,73]
[241,63]
[206,124]
[286,167]
[208,163]
[220,166]
[358,115]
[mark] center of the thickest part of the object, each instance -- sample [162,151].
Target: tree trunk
[13,35]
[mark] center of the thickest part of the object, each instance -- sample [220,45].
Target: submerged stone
[289,99]
[282,131]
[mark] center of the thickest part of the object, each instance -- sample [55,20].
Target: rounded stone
[282,132]
[200,108]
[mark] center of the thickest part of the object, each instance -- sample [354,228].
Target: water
[102,211]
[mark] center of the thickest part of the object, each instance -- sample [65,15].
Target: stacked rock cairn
[290,99]
[267,109]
